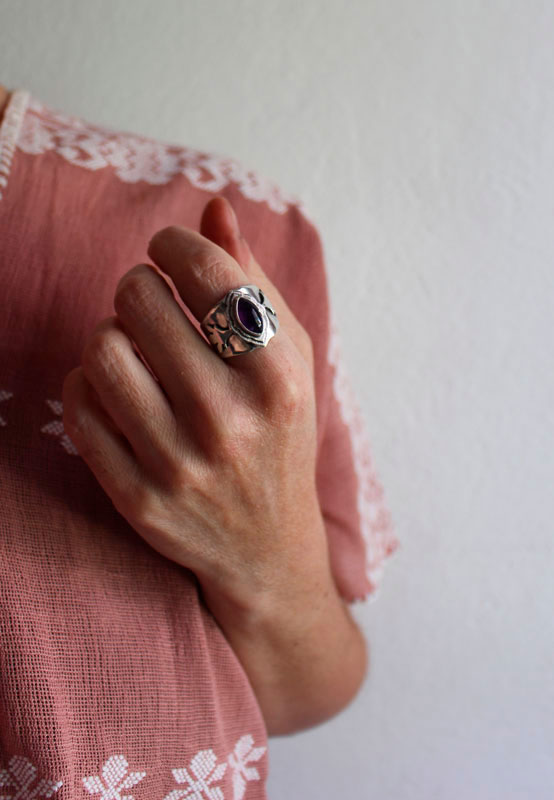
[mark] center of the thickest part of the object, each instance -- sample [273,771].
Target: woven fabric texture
[115,680]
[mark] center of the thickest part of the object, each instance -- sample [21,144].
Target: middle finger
[177,354]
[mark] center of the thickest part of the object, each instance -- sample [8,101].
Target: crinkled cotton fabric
[115,679]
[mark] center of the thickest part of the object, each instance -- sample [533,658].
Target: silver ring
[242,321]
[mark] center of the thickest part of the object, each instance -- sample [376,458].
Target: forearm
[306,659]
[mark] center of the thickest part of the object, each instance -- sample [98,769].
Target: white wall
[421,136]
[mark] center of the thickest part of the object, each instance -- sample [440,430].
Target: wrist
[305,662]
[293,593]
[252,604]
[251,595]
[303,653]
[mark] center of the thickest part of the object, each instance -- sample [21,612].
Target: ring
[242,321]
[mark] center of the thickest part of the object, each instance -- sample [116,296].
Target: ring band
[242,321]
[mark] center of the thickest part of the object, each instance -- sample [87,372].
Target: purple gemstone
[248,316]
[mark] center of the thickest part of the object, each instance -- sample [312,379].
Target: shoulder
[135,158]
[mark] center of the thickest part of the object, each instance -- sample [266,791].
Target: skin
[226,489]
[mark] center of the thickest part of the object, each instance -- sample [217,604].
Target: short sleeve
[359,526]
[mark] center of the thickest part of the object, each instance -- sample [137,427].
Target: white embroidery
[239,760]
[206,772]
[56,429]
[21,773]
[4,395]
[376,524]
[14,114]
[113,772]
[203,766]
[35,128]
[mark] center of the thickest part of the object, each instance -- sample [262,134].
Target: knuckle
[233,439]
[168,232]
[171,231]
[289,395]
[176,479]
[136,505]
[215,270]
[163,241]
[101,352]
[135,291]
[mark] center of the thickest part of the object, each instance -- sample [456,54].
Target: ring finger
[131,396]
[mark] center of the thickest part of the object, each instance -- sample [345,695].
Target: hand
[210,460]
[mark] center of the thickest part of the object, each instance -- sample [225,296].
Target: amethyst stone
[249,316]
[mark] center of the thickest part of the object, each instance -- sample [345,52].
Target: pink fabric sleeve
[359,526]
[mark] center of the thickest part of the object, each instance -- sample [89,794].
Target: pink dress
[115,680]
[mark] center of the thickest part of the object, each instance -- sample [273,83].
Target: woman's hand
[212,462]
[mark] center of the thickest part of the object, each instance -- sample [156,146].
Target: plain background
[420,135]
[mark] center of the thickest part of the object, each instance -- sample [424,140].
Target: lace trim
[10,128]
[135,158]
[376,523]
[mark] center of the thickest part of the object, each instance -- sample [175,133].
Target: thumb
[219,224]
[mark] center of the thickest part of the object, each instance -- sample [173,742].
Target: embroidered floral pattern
[240,758]
[205,772]
[20,776]
[56,429]
[11,125]
[113,773]
[200,778]
[35,128]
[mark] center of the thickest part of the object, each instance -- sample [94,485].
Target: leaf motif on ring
[236,344]
[221,320]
